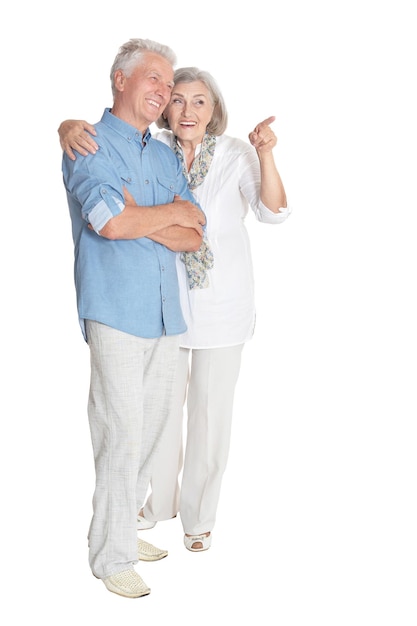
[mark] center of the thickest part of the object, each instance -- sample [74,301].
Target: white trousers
[210,376]
[130,394]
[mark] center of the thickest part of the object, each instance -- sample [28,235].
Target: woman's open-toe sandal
[197,543]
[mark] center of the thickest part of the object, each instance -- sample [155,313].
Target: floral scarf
[197,263]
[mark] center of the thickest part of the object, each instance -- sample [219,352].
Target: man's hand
[188,214]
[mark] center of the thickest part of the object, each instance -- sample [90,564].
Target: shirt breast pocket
[167,186]
[130,181]
[141,189]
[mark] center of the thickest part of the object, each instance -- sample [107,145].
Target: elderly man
[131,211]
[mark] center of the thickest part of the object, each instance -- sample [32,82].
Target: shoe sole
[126,594]
[152,558]
[197,549]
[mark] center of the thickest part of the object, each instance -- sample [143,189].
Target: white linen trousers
[130,395]
[207,378]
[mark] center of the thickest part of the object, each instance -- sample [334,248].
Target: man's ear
[119,80]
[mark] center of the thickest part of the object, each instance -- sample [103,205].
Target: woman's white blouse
[224,313]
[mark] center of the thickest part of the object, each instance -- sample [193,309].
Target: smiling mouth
[188,123]
[155,104]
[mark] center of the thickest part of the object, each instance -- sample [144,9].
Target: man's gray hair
[131,53]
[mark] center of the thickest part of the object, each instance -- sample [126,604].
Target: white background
[317,519]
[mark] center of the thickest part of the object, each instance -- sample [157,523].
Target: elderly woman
[227,176]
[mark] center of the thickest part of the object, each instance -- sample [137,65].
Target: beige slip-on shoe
[148,552]
[127,583]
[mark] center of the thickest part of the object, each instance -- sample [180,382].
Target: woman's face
[189,111]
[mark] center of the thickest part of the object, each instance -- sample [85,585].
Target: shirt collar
[129,132]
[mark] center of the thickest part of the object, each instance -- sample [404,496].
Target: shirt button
[146,182]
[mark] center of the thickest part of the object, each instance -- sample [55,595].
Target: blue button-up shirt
[130,285]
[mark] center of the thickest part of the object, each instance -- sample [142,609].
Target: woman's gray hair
[218,122]
[130,55]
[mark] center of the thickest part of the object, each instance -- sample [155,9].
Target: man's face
[145,93]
